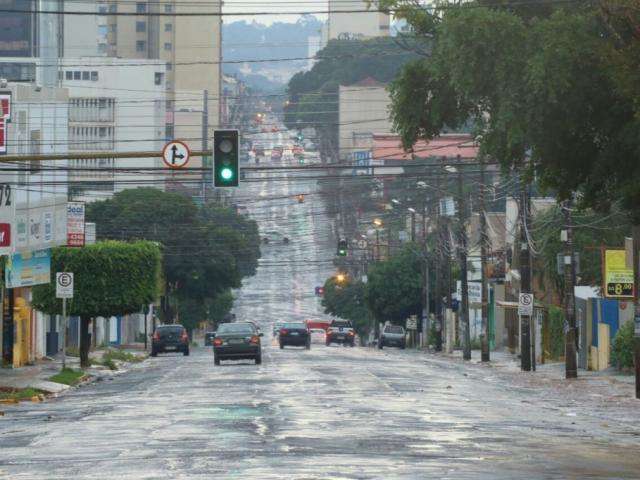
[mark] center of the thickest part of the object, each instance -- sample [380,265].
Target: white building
[115,105]
[34,209]
[363,111]
[356,22]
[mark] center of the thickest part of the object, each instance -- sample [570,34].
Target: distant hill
[255,41]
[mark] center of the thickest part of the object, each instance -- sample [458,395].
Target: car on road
[237,341]
[170,338]
[295,334]
[318,335]
[392,336]
[341,331]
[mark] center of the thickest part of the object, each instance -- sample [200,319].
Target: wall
[362,110]
[357,24]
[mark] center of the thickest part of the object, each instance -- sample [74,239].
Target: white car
[318,335]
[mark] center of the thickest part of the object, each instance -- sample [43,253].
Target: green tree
[394,287]
[206,250]
[110,278]
[347,300]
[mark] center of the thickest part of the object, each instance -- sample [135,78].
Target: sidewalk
[37,376]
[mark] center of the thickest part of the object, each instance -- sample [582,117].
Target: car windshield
[295,325]
[394,329]
[236,328]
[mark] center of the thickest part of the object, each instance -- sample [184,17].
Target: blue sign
[27,269]
[362,158]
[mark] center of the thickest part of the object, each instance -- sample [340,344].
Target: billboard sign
[618,277]
[27,269]
[7,218]
[75,224]
[17,28]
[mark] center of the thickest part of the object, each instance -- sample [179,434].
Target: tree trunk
[84,342]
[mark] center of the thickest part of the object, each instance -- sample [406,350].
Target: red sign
[5,116]
[5,234]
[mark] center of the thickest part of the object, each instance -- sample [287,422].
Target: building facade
[350,19]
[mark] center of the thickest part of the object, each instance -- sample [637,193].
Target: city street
[331,412]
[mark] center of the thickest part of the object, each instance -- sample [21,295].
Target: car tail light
[255,340]
[185,337]
[156,335]
[350,333]
[283,331]
[217,342]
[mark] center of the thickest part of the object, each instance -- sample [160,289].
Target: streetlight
[377,222]
[340,278]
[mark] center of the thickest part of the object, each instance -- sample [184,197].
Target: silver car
[392,336]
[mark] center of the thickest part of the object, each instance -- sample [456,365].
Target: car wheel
[216,361]
[259,359]
[327,343]
[308,346]
[352,344]
[154,353]
[186,352]
[281,345]
[380,345]
[403,346]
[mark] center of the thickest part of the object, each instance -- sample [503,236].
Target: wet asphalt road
[328,413]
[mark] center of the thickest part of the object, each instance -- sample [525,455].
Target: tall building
[115,105]
[349,19]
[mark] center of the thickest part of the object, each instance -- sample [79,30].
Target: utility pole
[413,224]
[525,282]
[484,298]
[205,141]
[571,366]
[438,264]
[462,253]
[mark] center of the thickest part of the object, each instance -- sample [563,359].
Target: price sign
[617,276]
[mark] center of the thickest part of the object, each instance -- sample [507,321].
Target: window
[102,9]
[141,7]
[94,76]
[68,75]
[168,8]
[168,27]
[77,75]
[141,45]
[169,66]
[102,103]
[159,77]
[113,27]
[86,75]
[141,26]
[113,8]
[167,46]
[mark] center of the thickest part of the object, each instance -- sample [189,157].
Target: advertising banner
[27,269]
[618,277]
[75,224]
[5,117]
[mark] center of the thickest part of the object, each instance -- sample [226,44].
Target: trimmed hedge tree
[110,278]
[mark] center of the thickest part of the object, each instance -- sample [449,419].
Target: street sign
[64,285]
[618,278]
[176,154]
[525,304]
[75,224]
[412,323]
[362,244]
[474,290]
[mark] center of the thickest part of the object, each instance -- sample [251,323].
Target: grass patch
[122,356]
[68,376]
[18,394]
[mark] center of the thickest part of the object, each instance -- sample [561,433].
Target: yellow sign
[618,279]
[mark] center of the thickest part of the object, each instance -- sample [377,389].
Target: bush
[622,349]
[556,332]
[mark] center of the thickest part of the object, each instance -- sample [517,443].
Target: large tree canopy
[206,250]
[549,87]
[346,300]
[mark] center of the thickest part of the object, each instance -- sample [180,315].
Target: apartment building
[350,19]
[115,105]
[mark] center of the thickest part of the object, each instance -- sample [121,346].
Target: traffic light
[225,158]
[342,248]
[300,137]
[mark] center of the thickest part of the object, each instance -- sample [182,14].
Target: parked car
[235,341]
[392,336]
[274,236]
[169,338]
[295,334]
[341,331]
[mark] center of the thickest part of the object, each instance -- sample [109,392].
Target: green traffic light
[226,173]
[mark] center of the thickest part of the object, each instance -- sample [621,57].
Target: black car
[296,334]
[169,338]
[341,331]
[237,341]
